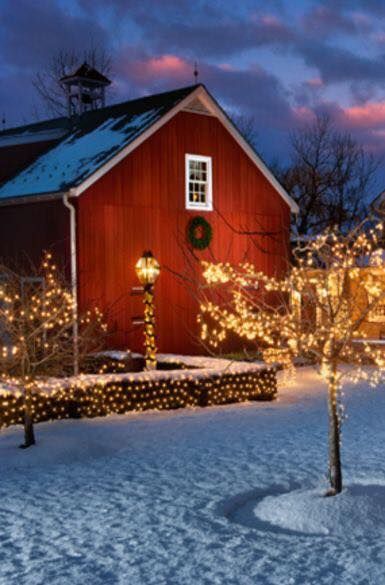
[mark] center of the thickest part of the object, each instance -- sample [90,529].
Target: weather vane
[196,73]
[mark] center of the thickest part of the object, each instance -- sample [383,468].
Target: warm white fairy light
[40,353]
[148,269]
[96,395]
[314,310]
[37,327]
[322,279]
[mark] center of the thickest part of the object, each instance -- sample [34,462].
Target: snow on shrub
[220,382]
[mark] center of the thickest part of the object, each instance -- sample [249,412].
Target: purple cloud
[327,19]
[252,90]
[34,31]
[278,61]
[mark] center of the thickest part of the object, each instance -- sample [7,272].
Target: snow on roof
[91,140]
[78,156]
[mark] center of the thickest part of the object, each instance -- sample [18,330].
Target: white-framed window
[199,188]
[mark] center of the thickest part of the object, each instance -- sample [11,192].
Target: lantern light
[147,269]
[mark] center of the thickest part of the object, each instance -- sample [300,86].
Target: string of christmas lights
[315,310]
[37,318]
[90,396]
[149,327]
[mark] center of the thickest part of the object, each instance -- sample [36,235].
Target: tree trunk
[335,471]
[29,435]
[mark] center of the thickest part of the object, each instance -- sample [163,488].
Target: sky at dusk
[279,61]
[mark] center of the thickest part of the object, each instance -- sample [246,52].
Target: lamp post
[147,269]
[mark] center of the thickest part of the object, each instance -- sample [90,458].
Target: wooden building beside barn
[100,187]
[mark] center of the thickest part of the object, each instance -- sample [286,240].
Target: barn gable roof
[89,146]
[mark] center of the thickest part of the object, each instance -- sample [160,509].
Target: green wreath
[199,232]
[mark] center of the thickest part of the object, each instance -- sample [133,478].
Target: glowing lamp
[147,269]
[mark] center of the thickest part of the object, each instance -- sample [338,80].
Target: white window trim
[208,206]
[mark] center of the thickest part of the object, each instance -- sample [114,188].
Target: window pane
[197,192]
[198,177]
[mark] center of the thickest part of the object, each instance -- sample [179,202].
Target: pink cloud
[368,115]
[314,82]
[145,68]
[366,123]
[270,27]
[368,118]
[226,67]
[303,115]
[271,20]
[380,38]
[166,65]
[361,20]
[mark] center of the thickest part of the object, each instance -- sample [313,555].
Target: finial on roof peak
[196,73]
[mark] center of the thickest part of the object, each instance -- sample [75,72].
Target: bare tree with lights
[36,319]
[316,310]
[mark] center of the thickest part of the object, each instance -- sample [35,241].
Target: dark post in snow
[335,471]
[29,434]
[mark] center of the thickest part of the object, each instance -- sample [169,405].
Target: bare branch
[331,177]
[47,82]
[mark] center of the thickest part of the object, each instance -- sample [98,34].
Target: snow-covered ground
[198,496]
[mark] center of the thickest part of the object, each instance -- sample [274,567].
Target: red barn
[100,188]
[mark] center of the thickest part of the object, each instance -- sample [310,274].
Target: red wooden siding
[29,229]
[140,204]
[16,157]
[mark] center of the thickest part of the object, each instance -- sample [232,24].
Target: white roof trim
[133,145]
[213,106]
[201,93]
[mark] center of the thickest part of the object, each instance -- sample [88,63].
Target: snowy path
[146,499]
